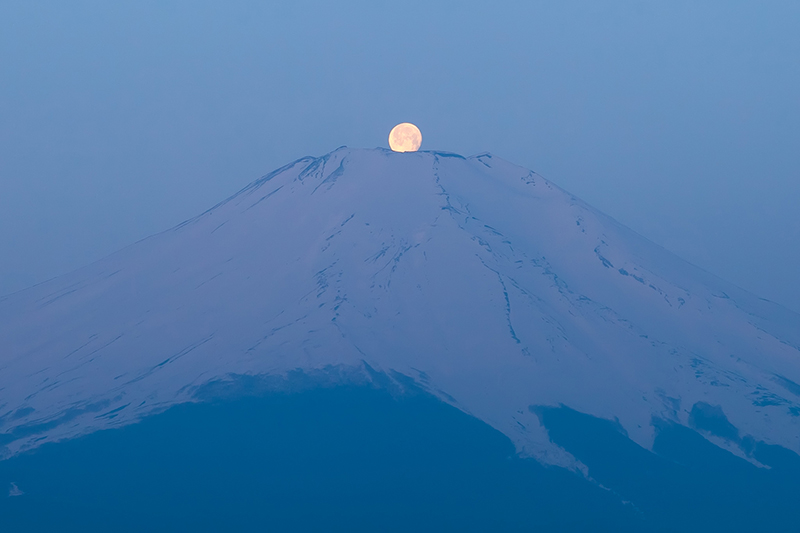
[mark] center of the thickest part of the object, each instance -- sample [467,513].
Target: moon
[405,137]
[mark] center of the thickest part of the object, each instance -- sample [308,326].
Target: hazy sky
[681,119]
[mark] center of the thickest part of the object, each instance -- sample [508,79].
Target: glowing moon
[405,137]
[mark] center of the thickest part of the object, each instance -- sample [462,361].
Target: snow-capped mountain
[483,282]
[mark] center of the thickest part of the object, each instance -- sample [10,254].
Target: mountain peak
[479,280]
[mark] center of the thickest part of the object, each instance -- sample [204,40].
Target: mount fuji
[471,279]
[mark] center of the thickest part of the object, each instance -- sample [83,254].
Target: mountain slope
[483,282]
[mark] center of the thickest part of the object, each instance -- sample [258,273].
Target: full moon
[405,137]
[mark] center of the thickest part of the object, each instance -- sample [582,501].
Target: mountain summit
[481,281]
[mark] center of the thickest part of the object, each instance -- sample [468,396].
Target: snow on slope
[482,281]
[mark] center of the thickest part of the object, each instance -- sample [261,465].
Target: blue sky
[680,119]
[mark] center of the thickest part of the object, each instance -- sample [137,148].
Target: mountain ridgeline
[470,282]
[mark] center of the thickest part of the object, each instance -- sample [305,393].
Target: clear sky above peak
[679,119]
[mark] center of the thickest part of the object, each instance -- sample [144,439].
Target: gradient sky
[681,119]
